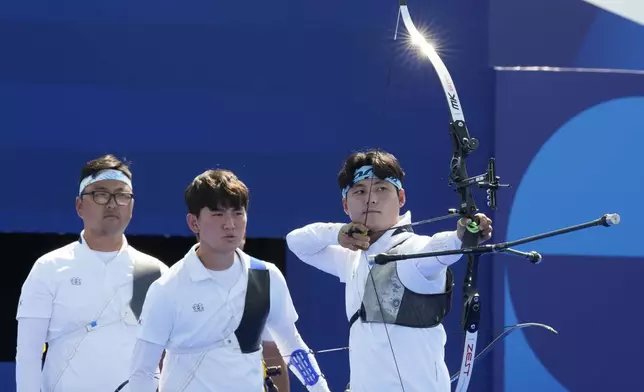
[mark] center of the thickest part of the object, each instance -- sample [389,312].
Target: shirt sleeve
[36,296]
[317,245]
[32,333]
[301,360]
[266,336]
[157,315]
[282,308]
[145,361]
[429,268]
[281,325]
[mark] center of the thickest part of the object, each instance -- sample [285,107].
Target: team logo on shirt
[198,307]
[75,281]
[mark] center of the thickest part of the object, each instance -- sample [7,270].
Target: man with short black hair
[400,303]
[214,307]
[84,299]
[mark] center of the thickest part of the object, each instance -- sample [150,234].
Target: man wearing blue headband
[412,296]
[84,299]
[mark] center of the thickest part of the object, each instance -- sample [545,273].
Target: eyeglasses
[103,198]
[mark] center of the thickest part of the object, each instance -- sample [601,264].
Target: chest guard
[144,274]
[256,307]
[401,306]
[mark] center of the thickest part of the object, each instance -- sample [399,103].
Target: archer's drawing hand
[353,236]
[485,227]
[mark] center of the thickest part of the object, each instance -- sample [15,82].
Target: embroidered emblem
[76,281]
[198,307]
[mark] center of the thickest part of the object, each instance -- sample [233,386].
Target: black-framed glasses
[103,197]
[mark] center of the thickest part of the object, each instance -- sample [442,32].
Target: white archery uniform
[420,352]
[193,312]
[77,300]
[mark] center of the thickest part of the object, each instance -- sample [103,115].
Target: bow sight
[463,145]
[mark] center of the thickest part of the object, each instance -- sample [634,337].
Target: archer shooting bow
[463,145]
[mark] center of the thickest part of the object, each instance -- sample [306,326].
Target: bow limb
[463,144]
[501,337]
[428,49]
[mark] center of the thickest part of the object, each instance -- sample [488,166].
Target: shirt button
[227,341]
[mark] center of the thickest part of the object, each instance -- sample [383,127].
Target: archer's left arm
[281,325]
[430,267]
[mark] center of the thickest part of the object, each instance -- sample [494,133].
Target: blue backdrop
[564,139]
[280,92]
[578,170]
[277,92]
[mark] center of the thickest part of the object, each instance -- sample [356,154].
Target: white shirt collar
[85,248]
[198,271]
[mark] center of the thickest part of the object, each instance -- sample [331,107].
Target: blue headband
[366,172]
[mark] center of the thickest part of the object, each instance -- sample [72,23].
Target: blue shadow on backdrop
[587,168]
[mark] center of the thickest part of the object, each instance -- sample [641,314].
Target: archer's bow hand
[354,236]
[484,227]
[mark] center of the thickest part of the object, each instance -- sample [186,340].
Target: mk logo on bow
[453,102]
[198,307]
[75,281]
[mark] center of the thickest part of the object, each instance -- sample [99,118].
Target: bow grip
[472,232]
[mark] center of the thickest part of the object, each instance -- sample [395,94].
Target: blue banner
[568,141]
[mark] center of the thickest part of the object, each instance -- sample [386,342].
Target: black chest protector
[390,302]
[256,307]
[144,274]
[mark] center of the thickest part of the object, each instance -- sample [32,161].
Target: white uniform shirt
[67,289]
[193,313]
[419,352]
